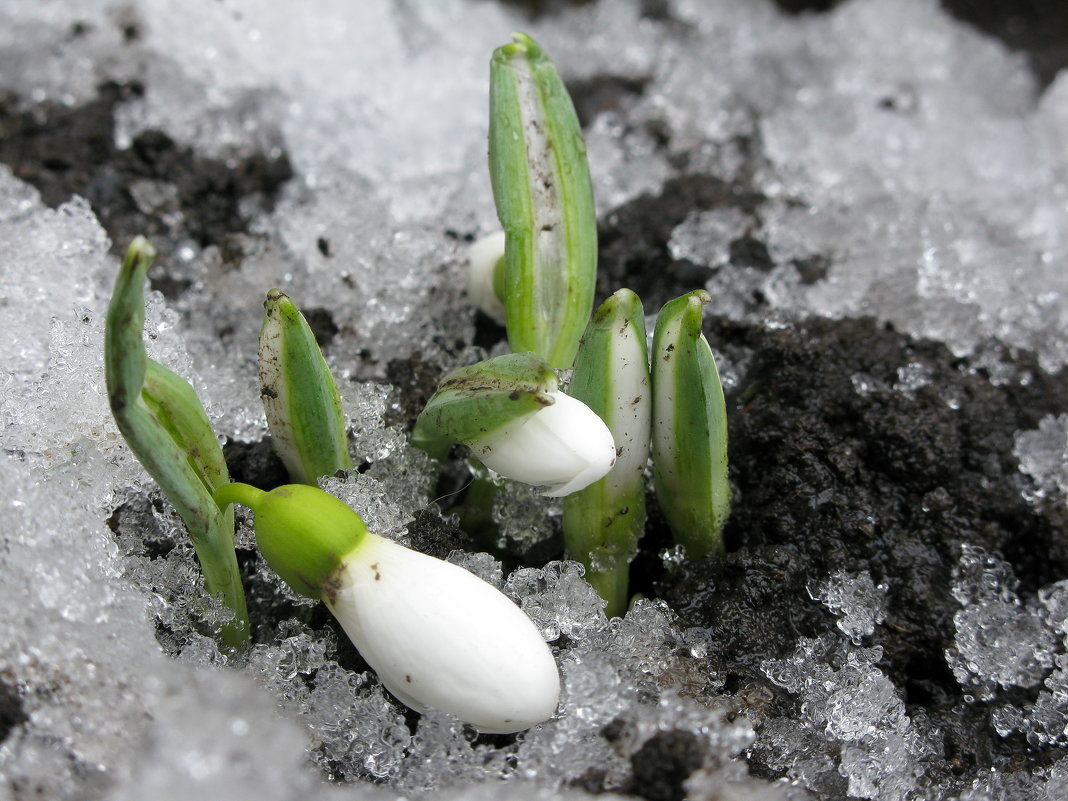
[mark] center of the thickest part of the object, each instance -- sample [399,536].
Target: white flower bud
[483,274]
[563,447]
[440,637]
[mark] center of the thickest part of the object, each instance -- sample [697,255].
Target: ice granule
[355,729]
[212,737]
[297,652]
[1054,597]
[365,404]
[851,702]
[707,784]
[1043,455]
[1000,785]
[365,495]
[442,752]
[625,161]
[642,674]
[483,565]
[912,376]
[525,518]
[360,730]
[1044,721]
[170,577]
[408,477]
[558,599]
[705,237]
[68,251]
[1006,719]
[859,604]
[102,703]
[867,172]
[799,752]
[999,641]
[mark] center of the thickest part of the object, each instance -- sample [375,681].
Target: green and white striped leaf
[603,523]
[300,397]
[541,185]
[689,428]
[164,423]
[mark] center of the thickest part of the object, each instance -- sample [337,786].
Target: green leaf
[173,402]
[689,428]
[603,523]
[299,395]
[163,422]
[541,185]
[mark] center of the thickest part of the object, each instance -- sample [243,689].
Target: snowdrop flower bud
[563,447]
[603,523]
[437,635]
[511,413]
[165,425]
[544,198]
[689,428]
[300,398]
[485,275]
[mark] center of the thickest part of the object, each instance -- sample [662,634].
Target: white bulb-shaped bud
[440,637]
[563,447]
[510,412]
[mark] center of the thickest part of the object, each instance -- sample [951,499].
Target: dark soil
[891,482]
[828,477]
[185,198]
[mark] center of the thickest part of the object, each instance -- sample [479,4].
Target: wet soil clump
[155,187]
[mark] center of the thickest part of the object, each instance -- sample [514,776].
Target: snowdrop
[485,275]
[544,199]
[437,635]
[603,523]
[512,415]
[563,447]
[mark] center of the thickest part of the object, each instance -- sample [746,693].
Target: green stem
[476,514]
[612,586]
[244,494]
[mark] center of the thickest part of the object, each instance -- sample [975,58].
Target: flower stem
[244,494]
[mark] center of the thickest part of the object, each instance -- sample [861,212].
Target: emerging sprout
[603,523]
[689,428]
[163,422]
[541,185]
[437,635]
[512,415]
[300,397]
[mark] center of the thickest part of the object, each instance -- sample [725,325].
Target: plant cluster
[437,636]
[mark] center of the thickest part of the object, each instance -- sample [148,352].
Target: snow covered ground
[901,165]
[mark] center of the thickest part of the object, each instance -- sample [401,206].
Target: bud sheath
[603,523]
[689,428]
[299,395]
[541,185]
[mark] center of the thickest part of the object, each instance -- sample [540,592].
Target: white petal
[563,447]
[438,636]
[482,261]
